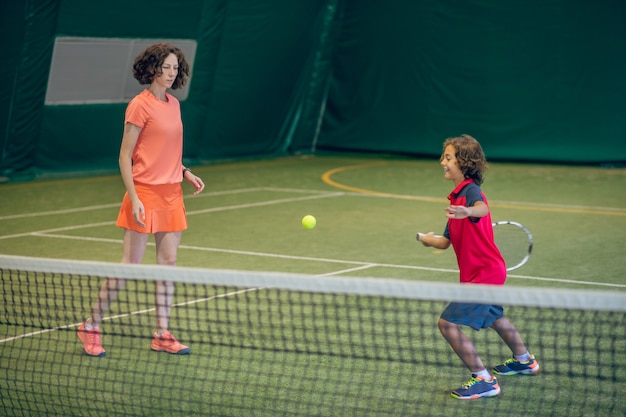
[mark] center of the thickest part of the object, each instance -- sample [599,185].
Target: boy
[470,231]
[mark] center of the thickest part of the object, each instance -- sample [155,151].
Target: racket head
[514,241]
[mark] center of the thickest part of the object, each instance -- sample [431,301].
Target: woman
[151,167]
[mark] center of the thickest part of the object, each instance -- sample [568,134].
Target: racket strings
[514,244]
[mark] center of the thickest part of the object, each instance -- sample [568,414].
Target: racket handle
[419,237]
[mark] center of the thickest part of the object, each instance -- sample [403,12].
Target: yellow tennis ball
[308,222]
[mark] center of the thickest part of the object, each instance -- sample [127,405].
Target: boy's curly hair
[470,157]
[148,64]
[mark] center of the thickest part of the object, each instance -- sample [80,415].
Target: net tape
[528,296]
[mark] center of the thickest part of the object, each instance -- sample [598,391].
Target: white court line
[132,313]
[112,205]
[58,229]
[265,203]
[203,195]
[344,271]
[361,264]
[189,213]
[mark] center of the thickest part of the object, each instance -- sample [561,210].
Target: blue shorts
[476,316]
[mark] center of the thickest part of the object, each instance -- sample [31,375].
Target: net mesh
[291,345]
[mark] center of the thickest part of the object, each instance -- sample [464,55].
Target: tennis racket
[515,243]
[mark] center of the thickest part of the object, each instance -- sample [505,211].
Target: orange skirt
[165,210]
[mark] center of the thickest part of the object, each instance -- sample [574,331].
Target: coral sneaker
[513,366]
[91,341]
[168,343]
[477,387]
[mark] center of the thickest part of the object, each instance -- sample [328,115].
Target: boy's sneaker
[168,343]
[477,387]
[513,366]
[91,341]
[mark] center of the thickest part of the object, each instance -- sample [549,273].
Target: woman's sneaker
[513,366]
[91,341]
[168,343]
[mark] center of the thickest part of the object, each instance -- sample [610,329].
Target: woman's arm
[129,140]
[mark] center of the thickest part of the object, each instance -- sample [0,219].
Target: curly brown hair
[148,64]
[470,157]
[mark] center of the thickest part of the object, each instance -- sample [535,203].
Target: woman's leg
[134,248]
[167,248]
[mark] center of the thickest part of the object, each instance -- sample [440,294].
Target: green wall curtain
[535,80]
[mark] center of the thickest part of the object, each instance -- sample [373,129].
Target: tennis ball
[308,221]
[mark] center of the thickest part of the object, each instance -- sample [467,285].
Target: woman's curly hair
[470,157]
[148,64]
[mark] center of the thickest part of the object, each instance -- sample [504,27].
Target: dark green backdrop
[539,80]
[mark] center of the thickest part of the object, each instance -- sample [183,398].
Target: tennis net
[270,344]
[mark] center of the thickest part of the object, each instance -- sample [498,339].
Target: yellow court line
[327,178]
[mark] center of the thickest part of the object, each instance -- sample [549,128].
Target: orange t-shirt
[157,157]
